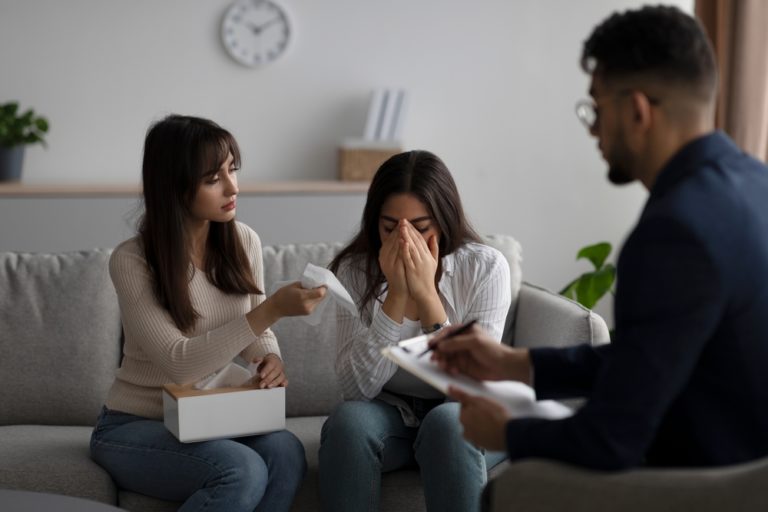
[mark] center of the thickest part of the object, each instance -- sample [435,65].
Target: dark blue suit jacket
[683,382]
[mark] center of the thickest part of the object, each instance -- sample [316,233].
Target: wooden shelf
[326,187]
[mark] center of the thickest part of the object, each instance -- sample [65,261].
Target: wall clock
[255,32]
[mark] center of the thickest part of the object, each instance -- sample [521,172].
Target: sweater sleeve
[183,358]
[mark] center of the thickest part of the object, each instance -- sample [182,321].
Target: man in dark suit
[682,383]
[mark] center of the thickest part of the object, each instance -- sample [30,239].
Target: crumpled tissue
[314,276]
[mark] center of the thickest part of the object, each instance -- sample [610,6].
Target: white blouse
[475,284]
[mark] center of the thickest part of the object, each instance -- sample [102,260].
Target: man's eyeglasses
[586,110]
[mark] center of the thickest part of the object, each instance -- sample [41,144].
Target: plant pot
[11,160]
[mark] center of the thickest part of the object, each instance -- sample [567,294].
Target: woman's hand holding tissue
[294,300]
[290,300]
[270,372]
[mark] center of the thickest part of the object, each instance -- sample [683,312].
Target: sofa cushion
[512,251]
[309,351]
[547,319]
[59,337]
[52,459]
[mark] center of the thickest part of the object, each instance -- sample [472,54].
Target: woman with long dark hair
[415,267]
[190,293]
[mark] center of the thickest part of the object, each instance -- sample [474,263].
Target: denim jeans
[362,440]
[261,473]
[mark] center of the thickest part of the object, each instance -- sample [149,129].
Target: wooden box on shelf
[359,160]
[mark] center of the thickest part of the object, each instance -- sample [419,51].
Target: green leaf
[10,109]
[593,285]
[570,289]
[17,129]
[27,117]
[596,253]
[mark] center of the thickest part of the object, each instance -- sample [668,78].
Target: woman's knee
[283,452]
[238,463]
[441,427]
[354,427]
[351,419]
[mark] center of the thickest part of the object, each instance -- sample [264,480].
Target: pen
[461,330]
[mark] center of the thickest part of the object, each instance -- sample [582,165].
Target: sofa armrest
[540,485]
[544,318]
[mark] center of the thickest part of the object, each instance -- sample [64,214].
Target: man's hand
[484,420]
[477,355]
[271,373]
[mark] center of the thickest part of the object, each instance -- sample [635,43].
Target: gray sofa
[60,346]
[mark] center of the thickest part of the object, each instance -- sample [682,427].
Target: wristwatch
[435,327]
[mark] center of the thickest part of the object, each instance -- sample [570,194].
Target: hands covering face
[408,262]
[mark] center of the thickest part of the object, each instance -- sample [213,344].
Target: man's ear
[642,110]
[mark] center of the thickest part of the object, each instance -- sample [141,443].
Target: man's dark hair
[657,42]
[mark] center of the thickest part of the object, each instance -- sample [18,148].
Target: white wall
[492,83]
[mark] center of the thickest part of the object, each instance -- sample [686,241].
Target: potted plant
[589,287]
[16,131]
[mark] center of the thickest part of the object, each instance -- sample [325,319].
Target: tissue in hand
[232,375]
[314,276]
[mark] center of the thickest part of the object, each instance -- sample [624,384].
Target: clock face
[255,32]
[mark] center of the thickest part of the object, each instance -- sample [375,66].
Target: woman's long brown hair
[424,175]
[179,152]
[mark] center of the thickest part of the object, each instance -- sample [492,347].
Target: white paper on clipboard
[518,398]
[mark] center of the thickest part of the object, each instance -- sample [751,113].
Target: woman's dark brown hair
[424,175]
[179,153]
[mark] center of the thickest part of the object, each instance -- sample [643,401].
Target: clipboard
[519,399]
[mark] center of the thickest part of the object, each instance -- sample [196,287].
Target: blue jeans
[261,473]
[362,440]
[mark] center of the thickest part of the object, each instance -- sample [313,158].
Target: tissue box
[200,415]
[358,162]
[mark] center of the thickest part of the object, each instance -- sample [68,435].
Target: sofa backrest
[309,352]
[59,337]
[60,333]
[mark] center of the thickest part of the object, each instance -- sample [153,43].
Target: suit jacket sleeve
[668,302]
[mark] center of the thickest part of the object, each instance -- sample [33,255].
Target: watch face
[255,32]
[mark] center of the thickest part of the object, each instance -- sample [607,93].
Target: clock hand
[258,29]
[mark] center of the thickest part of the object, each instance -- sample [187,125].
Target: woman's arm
[482,288]
[360,367]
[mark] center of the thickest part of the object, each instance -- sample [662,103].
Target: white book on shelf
[401,108]
[388,117]
[374,114]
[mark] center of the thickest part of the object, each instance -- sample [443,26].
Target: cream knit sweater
[156,352]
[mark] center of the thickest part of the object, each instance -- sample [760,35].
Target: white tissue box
[200,415]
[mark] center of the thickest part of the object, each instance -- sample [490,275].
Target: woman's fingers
[423,248]
[411,248]
[271,374]
[433,247]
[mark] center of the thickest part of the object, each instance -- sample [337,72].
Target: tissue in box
[200,415]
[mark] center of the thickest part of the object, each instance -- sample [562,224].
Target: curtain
[739,33]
